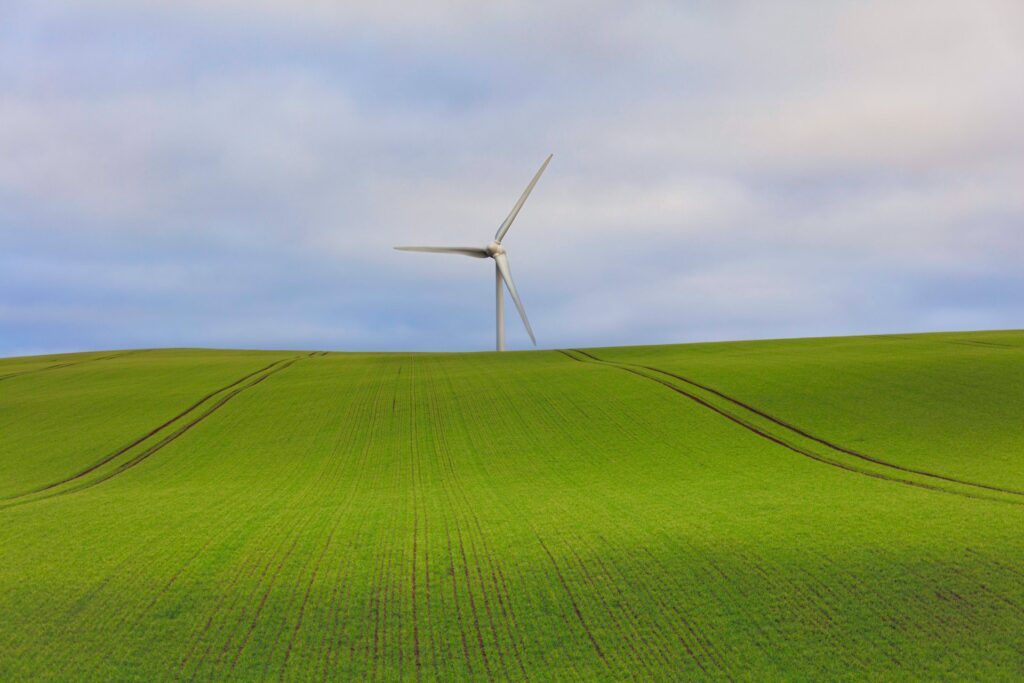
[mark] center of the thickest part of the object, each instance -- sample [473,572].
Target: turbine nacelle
[494,248]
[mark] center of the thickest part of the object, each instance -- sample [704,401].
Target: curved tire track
[790,446]
[267,371]
[12,375]
[824,442]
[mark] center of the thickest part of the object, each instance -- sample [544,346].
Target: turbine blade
[498,236]
[506,275]
[465,251]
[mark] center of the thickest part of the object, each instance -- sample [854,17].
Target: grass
[805,509]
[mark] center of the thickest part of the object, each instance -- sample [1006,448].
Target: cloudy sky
[234,174]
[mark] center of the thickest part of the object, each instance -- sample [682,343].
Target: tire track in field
[174,436]
[975,342]
[393,583]
[141,439]
[804,433]
[412,580]
[371,649]
[12,375]
[793,447]
[822,593]
[389,581]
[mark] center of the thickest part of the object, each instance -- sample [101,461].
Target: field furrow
[521,516]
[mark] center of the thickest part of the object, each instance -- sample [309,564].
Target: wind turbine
[502,274]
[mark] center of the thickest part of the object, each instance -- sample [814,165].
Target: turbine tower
[502,274]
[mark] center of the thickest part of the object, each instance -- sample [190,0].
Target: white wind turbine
[502,274]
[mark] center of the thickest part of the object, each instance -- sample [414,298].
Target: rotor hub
[494,248]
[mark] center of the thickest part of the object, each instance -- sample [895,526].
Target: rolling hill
[843,508]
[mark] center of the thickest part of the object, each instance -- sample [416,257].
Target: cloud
[727,170]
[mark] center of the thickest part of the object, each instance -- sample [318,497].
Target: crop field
[815,509]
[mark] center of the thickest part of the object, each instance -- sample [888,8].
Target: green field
[817,509]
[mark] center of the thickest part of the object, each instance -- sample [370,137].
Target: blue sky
[234,174]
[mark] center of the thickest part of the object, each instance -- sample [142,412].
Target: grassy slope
[944,402]
[526,514]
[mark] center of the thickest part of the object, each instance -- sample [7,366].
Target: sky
[235,174]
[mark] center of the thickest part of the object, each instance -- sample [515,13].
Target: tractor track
[153,432]
[154,448]
[797,449]
[12,375]
[824,442]
[975,342]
